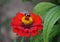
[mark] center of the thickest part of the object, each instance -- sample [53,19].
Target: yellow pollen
[27,21]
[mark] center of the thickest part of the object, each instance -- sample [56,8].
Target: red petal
[17,34]
[36,19]
[15,22]
[16,30]
[26,33]
[17,19]
[40,27]
[34,31]
[19,15]
[21,32]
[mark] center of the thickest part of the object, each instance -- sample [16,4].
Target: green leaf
[58,39]
[37,38]
[14,40]
[42,8]
[55,30]
[51,17]
[22,39]
[31,39]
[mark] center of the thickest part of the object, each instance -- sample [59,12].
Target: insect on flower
[26,24]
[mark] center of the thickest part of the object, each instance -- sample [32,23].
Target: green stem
[14,40]
[31,39]
[22,40]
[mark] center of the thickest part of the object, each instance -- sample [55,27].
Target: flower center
[27,20]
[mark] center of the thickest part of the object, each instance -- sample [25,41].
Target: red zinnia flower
[26,24]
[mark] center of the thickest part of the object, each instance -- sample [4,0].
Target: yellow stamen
[25,21]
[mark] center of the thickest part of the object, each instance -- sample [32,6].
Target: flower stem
[14,40]
[22,40]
